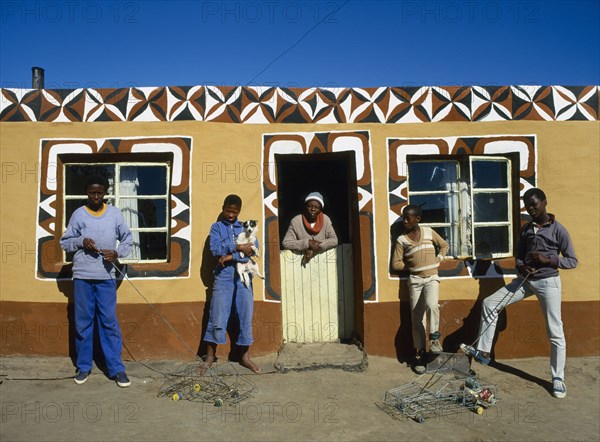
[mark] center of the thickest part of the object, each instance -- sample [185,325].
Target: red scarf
[318,224]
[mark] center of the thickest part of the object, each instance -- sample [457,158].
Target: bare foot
[249,364]
[203,368]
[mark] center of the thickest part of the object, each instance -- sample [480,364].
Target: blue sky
[303,43]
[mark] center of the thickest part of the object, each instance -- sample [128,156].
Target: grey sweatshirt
[551,240]
[105,230]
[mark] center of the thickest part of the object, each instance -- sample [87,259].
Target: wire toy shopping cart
[218,385]
[439,394]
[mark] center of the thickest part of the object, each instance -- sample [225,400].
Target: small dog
[248,236]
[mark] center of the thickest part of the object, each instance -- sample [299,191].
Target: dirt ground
[326,404]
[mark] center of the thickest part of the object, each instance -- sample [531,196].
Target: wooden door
[318,299]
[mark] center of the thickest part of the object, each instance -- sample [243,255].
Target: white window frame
[506,190]
[115,197]
[461,194]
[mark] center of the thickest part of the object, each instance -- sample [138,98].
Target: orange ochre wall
[47,329]
[35,314]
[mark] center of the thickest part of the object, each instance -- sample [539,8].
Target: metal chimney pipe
[37,78]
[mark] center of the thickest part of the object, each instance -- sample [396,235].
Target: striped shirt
[420,258]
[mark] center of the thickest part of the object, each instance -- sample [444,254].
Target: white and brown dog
[248,236]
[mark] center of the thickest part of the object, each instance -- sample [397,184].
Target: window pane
[430,175]
[147,212]
[153,245]
[490,240]
[71,206]
[490,207]
[151,180]
[450,235]
[76,176]
[434,208]
[490,174]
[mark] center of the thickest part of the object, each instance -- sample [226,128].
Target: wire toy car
[439,394]
[219,384]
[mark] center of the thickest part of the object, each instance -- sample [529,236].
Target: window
[139,189]
[468,200]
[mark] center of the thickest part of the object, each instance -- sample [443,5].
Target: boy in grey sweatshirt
[92,233]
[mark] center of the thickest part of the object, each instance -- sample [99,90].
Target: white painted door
[318,300]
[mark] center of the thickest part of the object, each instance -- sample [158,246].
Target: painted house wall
[229,157]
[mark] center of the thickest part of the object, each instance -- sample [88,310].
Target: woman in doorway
[311,232]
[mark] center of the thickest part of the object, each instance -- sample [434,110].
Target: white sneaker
[435,346]
[559,389]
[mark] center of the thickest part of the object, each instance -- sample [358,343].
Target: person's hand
[537,257]
[525,270]
[109,255]
[314,245]
[308,255]
[246,249]
[89,244]
[224,259]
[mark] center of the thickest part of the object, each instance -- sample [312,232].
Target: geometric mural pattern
[49,262]
[400,148]
[264,105]
[311,143]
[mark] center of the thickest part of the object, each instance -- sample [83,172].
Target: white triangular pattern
[393,104]
[336,91]
[346,107]
[442,92]
[132,101]
[328,118]
[493,115]
[50,98]
[40,233]
[179,206]
[90,103]
[542,112]
[258,117]
[272,103]
[285,96]
[398,190]
[71,96]
[442,113]
[585,112]
[4,102]
[147,115]
[566,112]
[46,205]
[61,117]
[212,109]
[30,113]
[194,111]
[559,102]
[409,117]
[365,197]
[305,94]
[216,107]
[270,203]
[358,111]
[184,233]
[590,93]
[427,103]
[525,92]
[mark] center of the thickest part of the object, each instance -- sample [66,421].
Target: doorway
[319,300]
